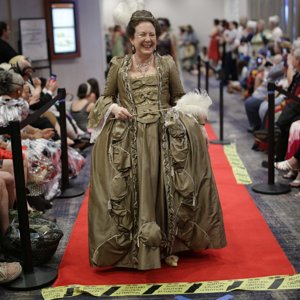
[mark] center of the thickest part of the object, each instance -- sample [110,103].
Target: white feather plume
[122,13]
[196,103]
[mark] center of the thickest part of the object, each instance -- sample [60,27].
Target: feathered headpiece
[125,9]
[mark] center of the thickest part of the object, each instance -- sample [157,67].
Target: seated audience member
[293,146]
[81,107]
[294,139]
[252,103]
[34,94]
[11,86]
[4,201]
[279,98]
[291,111]
[292,165]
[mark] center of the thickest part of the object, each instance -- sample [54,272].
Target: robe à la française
[152,190]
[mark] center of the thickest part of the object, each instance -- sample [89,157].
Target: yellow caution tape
[240,172]
[271,283]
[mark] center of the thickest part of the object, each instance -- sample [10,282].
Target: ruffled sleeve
[102,109]
[108,97]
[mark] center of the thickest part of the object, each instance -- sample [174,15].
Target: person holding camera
[270,71]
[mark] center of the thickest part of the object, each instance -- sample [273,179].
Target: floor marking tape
[285,282]
[240,172]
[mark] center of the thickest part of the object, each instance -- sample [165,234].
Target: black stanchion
[199,72]
[32,277]
[207,67]
[271,188]
[67,190]
[221,113]
[207,76]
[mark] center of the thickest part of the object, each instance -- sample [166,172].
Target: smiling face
[144,39]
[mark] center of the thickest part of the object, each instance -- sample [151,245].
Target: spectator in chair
[291,111]
[81,107]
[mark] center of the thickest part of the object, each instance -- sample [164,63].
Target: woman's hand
[120,113]
[3,145]
[48,133]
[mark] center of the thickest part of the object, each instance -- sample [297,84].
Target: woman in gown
[152,191]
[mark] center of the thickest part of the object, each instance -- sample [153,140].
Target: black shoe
[255,147]
[39,202]
[265,164]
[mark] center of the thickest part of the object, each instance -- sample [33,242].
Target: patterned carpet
[282,212]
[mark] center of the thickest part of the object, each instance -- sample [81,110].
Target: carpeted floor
[281,212]
[252,250]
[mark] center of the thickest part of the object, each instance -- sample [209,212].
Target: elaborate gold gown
[152,191]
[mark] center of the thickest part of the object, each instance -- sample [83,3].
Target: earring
[133,48]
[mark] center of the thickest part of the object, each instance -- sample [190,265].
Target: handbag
[44,236]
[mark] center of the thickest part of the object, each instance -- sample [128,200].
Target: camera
[259,61]
[53,77]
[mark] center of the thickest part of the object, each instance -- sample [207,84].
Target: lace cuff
[98,129]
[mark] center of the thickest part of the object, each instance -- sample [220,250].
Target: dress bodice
[145,97]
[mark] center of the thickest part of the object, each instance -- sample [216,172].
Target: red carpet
[252,250]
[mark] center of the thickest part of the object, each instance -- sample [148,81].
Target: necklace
[144,67]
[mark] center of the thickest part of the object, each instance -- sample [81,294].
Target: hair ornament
[124,10]
[88,89]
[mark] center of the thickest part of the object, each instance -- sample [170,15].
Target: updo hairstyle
[141,16]
[84,90]
[9,82]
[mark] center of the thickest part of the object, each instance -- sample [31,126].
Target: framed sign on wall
[62,24]
[33,38]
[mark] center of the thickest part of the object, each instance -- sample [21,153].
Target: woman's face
[295,62]
[26,92]
[144,39]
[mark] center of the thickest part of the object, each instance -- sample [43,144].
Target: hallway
[281,212]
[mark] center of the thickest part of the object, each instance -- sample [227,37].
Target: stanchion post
[271,144]
[207,76]
[63,139]
[221,114]
[271,188]
[32,277]
[199,71]
[67,191]
[221,110]
[16,148]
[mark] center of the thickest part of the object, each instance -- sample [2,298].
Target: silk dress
[152,190]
